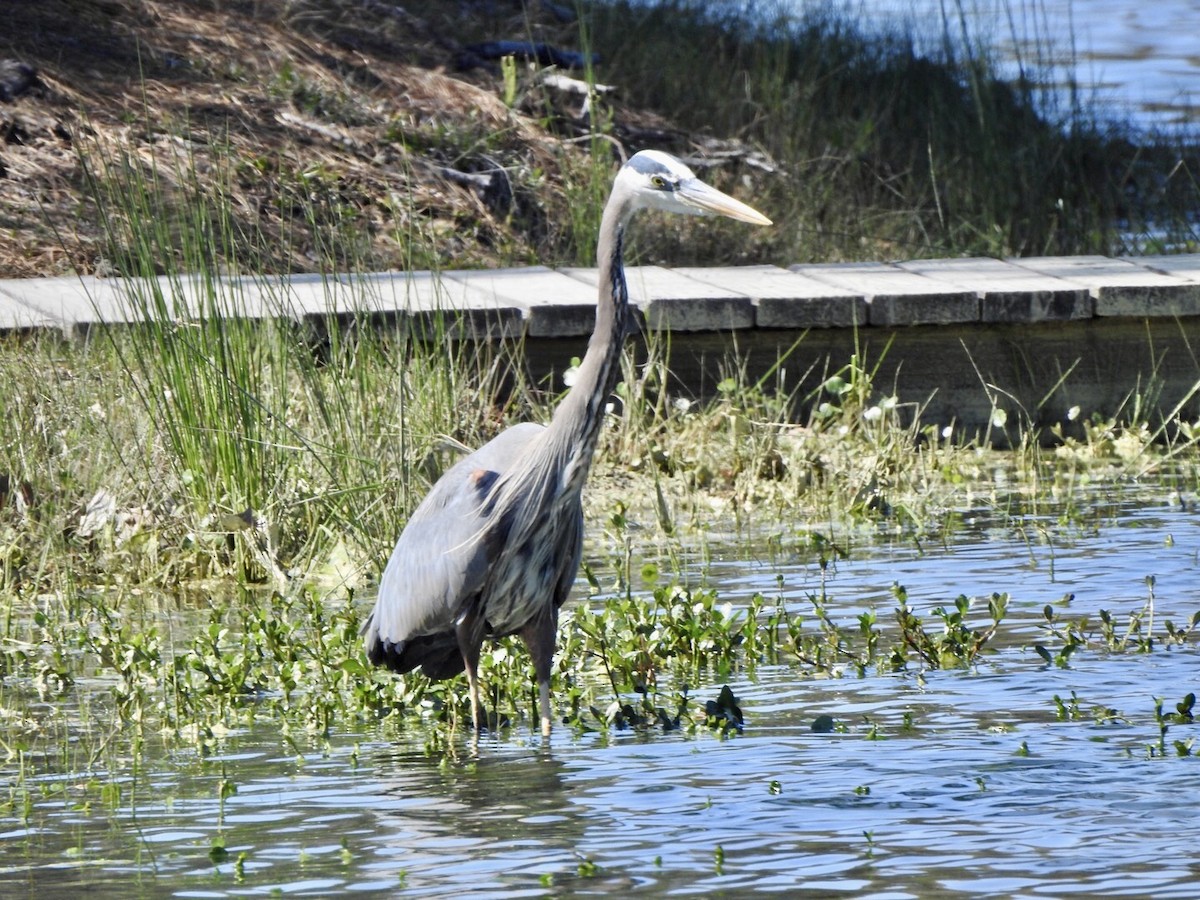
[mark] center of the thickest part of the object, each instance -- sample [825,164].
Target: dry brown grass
[314,113]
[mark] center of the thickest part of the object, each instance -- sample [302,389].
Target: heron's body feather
[439,562]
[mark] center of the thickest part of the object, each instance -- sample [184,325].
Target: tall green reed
[292,435]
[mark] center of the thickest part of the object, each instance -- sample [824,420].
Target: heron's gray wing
[573,554]
[441,558]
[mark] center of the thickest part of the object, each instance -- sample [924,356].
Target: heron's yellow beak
[706,199]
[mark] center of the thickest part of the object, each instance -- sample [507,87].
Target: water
[954,783]
[1139,61]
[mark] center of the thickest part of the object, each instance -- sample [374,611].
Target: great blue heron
[494,547]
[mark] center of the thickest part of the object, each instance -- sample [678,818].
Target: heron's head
[657,180]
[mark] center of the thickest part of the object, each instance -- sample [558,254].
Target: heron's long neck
[575,429]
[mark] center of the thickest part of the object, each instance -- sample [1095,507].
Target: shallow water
[952,783]
[1138,60]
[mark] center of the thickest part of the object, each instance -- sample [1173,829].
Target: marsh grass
[157,620]
[896,145]
[300,438]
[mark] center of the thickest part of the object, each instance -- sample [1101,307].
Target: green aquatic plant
[675,630]
[655,648]
[724,714]
[1182,715]
[1067,710]
[1137,636]
[1072,709]
[957,643]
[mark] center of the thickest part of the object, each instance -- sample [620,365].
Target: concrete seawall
[958,337]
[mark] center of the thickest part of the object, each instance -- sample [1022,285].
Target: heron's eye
[658,181]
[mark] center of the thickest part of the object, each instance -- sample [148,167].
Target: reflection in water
[975,786]
[496,823]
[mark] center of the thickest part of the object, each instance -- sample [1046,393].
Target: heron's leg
[473,688]
[539,638]
[469,641]
[544,704]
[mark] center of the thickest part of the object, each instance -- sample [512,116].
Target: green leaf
[1184,708]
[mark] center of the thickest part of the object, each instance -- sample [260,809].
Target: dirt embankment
[359,117]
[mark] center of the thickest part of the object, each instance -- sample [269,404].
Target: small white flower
[1072,413]
[683,404]
[999,417]
[570,376]
[947,432]
[873,414]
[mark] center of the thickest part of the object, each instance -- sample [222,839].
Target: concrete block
[73,303]
[300,297]
[77,304]
[554,304]
[433,305]
[1121,288]
[16,316]
[1008,293]
[784,299]
[896,297]
[1183,265]
[671,301]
